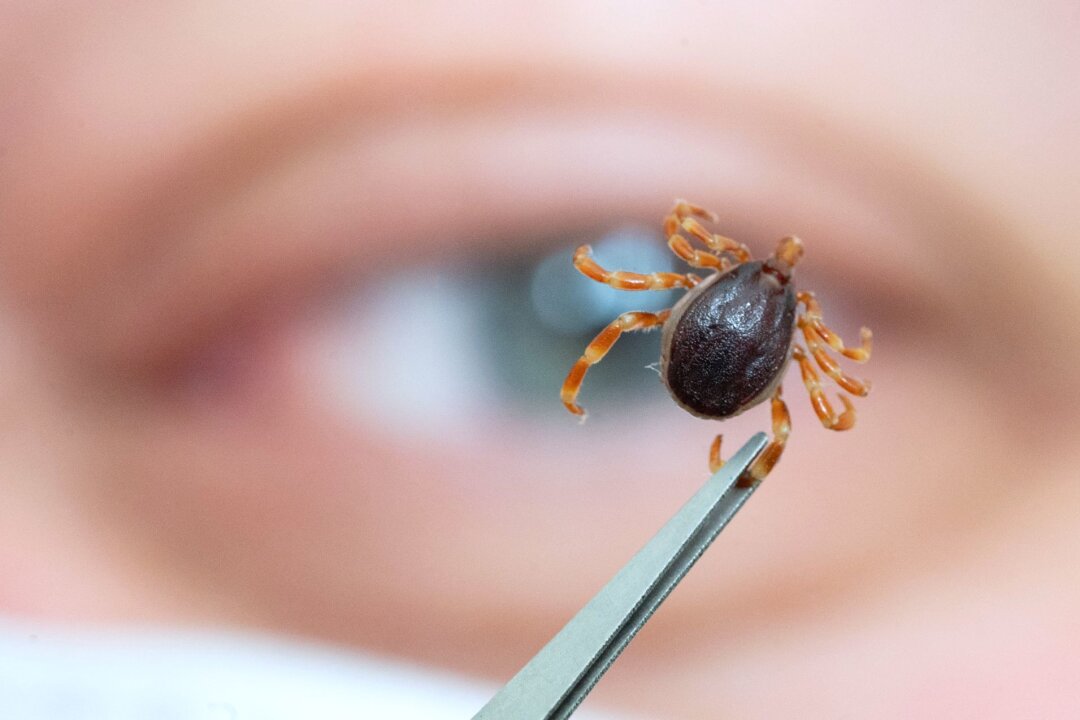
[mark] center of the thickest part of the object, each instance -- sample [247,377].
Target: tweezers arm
[558,678]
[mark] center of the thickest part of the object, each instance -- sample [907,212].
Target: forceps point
[557,679]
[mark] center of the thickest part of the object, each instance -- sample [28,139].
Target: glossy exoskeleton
[726,343]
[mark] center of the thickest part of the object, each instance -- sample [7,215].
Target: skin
[182,191]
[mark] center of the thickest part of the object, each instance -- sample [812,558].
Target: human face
[190,197]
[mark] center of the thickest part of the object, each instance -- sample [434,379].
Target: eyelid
[389,194]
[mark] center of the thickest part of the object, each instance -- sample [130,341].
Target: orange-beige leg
[716,243]
[822,407]
[814,318]
[678,243]
[681,217]
[683,210]
[781,427]
[629,280]
[598,348]
[827,364]
[694,257]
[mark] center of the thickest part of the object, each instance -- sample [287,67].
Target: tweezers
[557,679]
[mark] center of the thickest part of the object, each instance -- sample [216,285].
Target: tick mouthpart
[788,252]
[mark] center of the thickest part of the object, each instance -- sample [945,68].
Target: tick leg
[827,364]
[716,243]
[683,210]
[813,316]
[822,407]
[628,280]
[598,348]
[715,461]
[781,427]
[679,245]
[694,257]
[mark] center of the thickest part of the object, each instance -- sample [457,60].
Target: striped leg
[629,280]
[813,317]
[678,243]
[681,218]
[717,243]
[822,407]
[781,427]
[598,348]
[827,364]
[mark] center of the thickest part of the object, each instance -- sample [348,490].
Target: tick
[726,343]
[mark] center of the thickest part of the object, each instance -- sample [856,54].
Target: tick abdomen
[726,343]
[728,340]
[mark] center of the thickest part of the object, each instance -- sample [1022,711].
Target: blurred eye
[445,348]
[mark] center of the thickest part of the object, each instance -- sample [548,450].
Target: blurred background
[286,301]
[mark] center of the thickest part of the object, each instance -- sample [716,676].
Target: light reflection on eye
[439,348]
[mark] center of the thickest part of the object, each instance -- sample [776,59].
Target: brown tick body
[726,343]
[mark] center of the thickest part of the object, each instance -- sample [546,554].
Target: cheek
[289,505]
